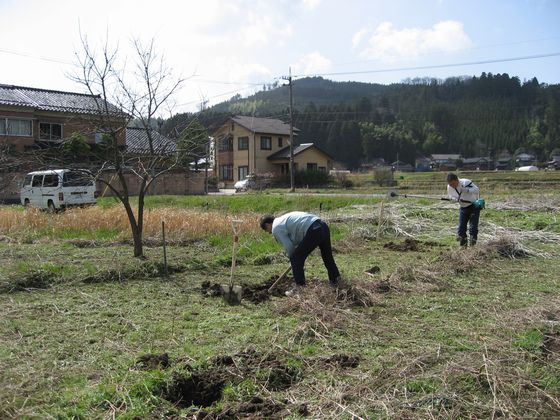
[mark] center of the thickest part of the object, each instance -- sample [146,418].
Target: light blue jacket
[290,229]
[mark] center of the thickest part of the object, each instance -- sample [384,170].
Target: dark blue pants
[468,215]
[318,235]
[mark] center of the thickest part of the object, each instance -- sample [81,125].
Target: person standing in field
[466,193]
[300,233]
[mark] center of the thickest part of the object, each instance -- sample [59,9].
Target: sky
[226,47]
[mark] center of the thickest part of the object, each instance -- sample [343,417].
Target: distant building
[32,118]
[372,164]
[554,163]
[423,164]
[401,166]
[525,159]
[503,162]
[251,145]
[477,164]
[446,162]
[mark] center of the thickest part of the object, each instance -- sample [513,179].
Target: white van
[58,189]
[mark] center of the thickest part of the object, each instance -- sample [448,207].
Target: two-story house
[32,118]
[252,145]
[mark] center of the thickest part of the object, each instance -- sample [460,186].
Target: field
[422,330]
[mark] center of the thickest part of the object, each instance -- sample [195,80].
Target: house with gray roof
[31,118]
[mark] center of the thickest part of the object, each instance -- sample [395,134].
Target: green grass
[258,203]
[459,344]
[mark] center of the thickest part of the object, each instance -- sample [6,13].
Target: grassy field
[423,330]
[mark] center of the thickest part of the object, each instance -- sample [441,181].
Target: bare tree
[137,92]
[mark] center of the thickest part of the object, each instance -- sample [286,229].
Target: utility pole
[289,79]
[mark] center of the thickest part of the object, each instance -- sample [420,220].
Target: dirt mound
[257,408]
[210,289]
[201,388]
[153,361]
[341,360]
[256,293]
[274,373]
[358,293]
[551,344]
[409,244]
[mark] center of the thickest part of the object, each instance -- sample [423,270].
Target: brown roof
[264,125]
[53,100]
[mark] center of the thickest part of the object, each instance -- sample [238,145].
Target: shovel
[232,293]
[284,274]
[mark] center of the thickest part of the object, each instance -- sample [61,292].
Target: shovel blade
[232,294]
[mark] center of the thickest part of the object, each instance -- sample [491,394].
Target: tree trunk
[137,241]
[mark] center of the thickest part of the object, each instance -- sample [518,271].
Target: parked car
[252,182]
[58,189]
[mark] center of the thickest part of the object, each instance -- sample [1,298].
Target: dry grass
[181,224]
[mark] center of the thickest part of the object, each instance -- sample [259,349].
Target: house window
[50,131]
[100,137]
[242,172]
[232,126]
[322,169]
[266,143]
[279,141]
[226,144]
[16,127]
[226,172]
[311,166]
[243,143]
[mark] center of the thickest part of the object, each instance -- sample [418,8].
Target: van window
[76,179]
[50,180]
[27,180]
[37,181]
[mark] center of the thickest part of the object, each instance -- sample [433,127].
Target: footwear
[338,282]
[462,240]
[472,241]
[294,291]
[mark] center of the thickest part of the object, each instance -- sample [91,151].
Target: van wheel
[26,203]
[50,207]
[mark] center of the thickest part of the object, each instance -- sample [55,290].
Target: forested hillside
[479,116]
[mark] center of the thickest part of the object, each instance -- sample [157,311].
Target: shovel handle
[284,274]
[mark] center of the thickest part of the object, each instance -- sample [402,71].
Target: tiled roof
[285,152]
[53,100]
[137,142]
[264,125]
[452,156]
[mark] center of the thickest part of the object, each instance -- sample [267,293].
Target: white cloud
[262,30]
[312,63]
[310,4]
[388,44]
[358,36]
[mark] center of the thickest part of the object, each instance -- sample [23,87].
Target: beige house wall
[311,155]
[254,158]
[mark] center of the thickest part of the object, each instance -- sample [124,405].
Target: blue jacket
[290,229]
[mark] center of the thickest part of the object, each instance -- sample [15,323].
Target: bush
[305,179]
[384,177]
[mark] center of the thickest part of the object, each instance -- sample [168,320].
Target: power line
[435,66]
[52,60]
